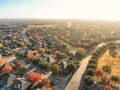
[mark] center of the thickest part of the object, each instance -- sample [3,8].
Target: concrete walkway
[74,83]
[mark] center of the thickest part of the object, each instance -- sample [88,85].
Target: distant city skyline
[61,9]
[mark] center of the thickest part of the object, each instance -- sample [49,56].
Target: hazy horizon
[107,10]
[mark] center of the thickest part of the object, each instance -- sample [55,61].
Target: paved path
[74,83]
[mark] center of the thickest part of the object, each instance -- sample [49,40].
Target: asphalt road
[74,83]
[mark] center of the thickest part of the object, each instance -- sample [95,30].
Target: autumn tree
[30,57]
[107,88]
[6,69]
[41,50]
[46,83]
[1,63]
[99,73]
[35,78]
[57,52]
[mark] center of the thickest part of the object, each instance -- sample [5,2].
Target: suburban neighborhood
[57,56]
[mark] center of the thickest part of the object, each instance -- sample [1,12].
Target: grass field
[106,59]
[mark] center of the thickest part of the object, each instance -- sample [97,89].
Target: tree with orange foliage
[98,73]
[35,78]
[1,63]
[30,57]
[41,50]
[6,69]
[46,83]
[57,52]
[107,88]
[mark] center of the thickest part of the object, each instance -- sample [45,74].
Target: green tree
[71,67]
[44,65]
[115,79]
[62,55]
[54,68]
[37,60]
[88,80]
[93,61]
[93,66]
[106,69]
[90,72]
[80,53]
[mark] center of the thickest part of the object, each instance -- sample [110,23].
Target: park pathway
[74,83]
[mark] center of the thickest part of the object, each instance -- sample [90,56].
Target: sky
[61,9]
